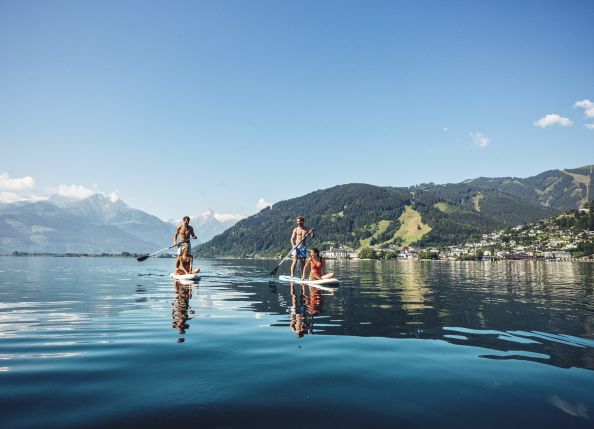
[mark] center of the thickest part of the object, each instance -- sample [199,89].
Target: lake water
[110,342]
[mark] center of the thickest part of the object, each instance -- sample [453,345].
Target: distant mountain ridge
[561,190]
[43,227]
[102,210]
[353,215]
[210,224]
[96,224]
[359,215]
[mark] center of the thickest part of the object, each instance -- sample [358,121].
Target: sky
[182,106]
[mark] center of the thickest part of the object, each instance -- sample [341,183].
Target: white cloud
[590,126]
[262,203]
[35,198]
[588,107]
[22,184]
[74,191]
[19,189]
[113,197]
[10,197]
[553,119]
[586,104]
[480,139]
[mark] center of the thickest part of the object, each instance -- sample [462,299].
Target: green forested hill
[343,214]
[561,190]
[458,211]
[359,215]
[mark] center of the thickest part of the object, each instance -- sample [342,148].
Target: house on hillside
[555,243]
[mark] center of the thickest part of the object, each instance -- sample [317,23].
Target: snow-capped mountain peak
[209,223]
[229,217]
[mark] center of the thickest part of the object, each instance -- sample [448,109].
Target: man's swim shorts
[300,252]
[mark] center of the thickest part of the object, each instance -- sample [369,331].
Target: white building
[336,253]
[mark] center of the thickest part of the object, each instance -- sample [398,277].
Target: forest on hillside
[345,215]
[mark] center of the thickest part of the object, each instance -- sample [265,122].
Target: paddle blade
[142,258]
[273,272]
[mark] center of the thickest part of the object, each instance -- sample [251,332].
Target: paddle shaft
[145,257]
[289,254]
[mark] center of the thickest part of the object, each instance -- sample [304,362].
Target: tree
[426,254]
[367,253]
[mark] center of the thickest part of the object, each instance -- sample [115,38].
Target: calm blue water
[110,342]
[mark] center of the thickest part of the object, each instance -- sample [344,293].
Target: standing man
[184,231]
[298,239]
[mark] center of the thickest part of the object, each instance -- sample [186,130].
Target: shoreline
[230,258]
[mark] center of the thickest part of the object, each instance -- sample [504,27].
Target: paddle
[273,272]
[145,257]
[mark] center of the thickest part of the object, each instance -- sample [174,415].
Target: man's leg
[293,265]
[301,266]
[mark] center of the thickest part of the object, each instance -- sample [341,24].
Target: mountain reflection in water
[519,310]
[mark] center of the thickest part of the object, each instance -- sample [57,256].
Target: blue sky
[180,106]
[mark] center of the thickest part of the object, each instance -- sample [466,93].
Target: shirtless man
[300,252]
[184,231]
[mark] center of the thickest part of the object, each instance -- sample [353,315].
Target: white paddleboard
[309,282]
[193,277]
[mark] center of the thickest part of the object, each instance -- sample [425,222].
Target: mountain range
[97,224]
[209,223]
[352,215]
[361,215]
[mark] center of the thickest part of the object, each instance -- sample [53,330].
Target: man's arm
[310,231]
[192,233]
[176,234]
[293,237]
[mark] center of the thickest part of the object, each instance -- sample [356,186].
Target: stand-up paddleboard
[323,282]
[188,277]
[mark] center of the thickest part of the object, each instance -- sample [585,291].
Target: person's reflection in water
[306,302]
[180,311]
[315,301]
[298,310]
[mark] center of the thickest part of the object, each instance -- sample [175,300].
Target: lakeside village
[568,237]
[531,242]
